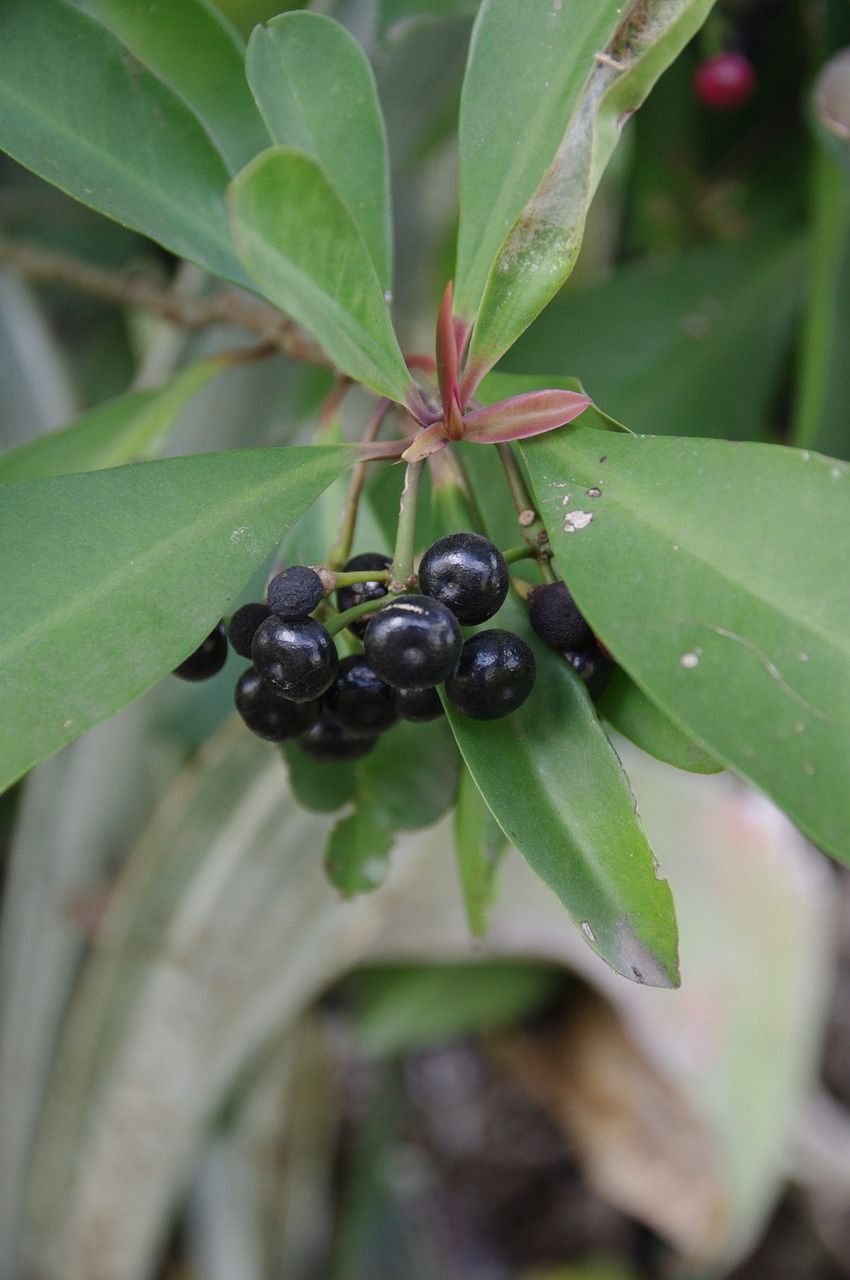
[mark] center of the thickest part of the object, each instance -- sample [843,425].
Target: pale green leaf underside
[626,707]
[300,244]
[78,109]
[556,787]
[316,91]
[533,259]
[127,429]
[189,45]
[528,67]
[110,578]
[713,571]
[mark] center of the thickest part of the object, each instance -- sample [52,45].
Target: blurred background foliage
[210,1067]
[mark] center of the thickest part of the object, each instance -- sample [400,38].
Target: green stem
[402,566]
[342,620]
[352,576]
[533,528]
[341,549]
[513,554]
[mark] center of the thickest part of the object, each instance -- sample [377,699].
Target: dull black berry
[295,592]
[360,592]
[209,657]
[329,743]
[358,701]
[495,675]
[593,668]
[556,617]
[467,573]
[267,713]
[418,705]
[413,643]
[298,658]
[243,625]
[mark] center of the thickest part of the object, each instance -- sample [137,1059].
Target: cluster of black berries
[556,617]
[298,688]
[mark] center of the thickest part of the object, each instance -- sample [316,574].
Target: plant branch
[41,265]
[402,566]
[533,528]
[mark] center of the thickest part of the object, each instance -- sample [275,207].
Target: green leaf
[528,68]
[407,781]
[480,844]
[403,1007]
[83,113]
[696,341]
[556,787]
[712,571]
[191,47]
[540,119]
[359,848]
[130,427]
[627,708]
[316,91]
[133,566]
[319,786]
[300,243]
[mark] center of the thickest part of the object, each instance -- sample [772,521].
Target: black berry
[418,705]
[413,643]
[593,668]
[298,658]
[295,592]
[329,743]
[556,617]
[358,701]
[209,657]
[467,573]
[268,714]
[495,675]
[360,592]
[243,625]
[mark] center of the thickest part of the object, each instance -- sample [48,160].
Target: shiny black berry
[268,714]
[243,625]
[295,592]
[593,667]
[360,592]
[298,658]
[357,700]
[209,657]
[418,705]
[329,743]
[495,675]
[556,617]
[413,643]
[467,573]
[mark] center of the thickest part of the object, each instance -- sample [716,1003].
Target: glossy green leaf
[81,111]
[407,781]
[627,708]
[316,91]
[556,787]
[399,1008]
[191,47]
[696,341]
[322,787]
[300,243]
[713,571]
[480,844]
[133,566]
[566,112]
[528,68]
[128,428]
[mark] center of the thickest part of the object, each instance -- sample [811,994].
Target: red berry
[725,81]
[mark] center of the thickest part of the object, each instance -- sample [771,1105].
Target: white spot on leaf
[577,520]
[689,661]
[587,931]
